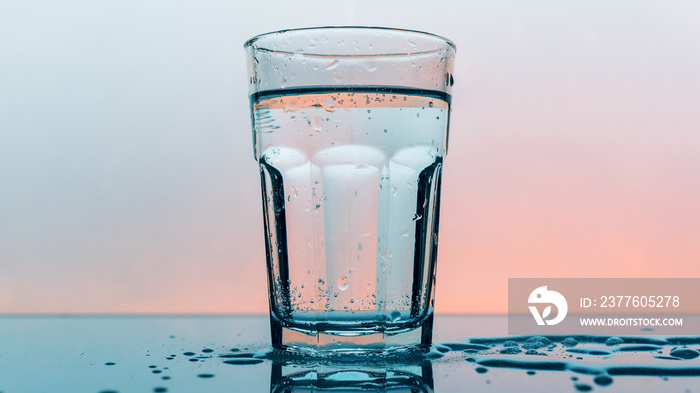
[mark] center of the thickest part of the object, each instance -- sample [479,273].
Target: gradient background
[128,184]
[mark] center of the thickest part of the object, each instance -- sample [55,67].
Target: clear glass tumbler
[350,130]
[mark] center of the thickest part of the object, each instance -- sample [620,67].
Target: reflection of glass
[350,131]
[296,378]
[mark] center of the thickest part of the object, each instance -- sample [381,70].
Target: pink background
[128,185]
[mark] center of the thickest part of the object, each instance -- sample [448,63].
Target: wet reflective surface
[231,354]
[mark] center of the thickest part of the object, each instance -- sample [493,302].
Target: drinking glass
[350,129]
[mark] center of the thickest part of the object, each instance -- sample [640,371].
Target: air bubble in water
[343,283]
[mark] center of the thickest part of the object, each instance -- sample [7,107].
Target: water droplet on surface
[510,350]
[684,353]
[602,380]
[583,387]
[332,64]
[404,234]
[613,341]
[343,283]
[243,361]
[283,83]
[430,104]
[160,389]
[291,108]
[189,353]
[110,364]
[481,370]
[417,217]
[205,375]
[537,342]
[411,43]
[530,372]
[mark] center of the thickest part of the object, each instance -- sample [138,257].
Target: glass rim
[448,44]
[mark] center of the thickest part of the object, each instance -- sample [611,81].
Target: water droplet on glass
[371,65]
[430,104]
[328,104]
[284,83]
[316,123]
[205,375]
[332,64]
[291,108]
[343,283]
[394,316]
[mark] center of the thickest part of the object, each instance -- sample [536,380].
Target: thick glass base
[356,378]
[326,343]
